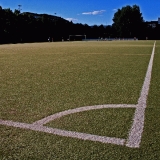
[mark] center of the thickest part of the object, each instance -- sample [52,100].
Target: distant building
[153,24]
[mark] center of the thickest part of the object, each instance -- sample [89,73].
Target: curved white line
[38,125]
[81,109]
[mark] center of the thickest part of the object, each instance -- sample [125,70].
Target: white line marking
[138,121]
[134,135]
[60,132]
[81,109]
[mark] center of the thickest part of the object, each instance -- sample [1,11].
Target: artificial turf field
[41,79]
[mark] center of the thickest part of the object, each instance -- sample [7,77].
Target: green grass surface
[38,80]
[42,79]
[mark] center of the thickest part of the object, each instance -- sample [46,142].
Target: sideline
[138,121]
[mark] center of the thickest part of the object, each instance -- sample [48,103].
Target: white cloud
[72,19]
[115,10]
[94,12]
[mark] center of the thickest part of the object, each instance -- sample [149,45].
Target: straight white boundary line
[64,133]
[135,132]
[138,121]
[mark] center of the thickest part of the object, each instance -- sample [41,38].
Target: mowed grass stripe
[37,81]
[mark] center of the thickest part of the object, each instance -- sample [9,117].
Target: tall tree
[128,21]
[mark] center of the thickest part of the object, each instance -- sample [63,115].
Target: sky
[91,12]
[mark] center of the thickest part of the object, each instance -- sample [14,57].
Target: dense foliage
[128,21]
[16,27]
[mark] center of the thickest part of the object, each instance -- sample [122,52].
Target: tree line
[17,27]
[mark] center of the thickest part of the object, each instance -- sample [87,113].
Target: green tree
[128,21]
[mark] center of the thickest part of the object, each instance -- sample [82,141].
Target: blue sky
[89,12]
